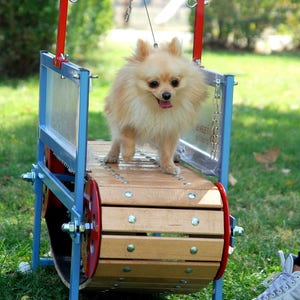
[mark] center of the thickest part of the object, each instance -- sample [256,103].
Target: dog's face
[160,72]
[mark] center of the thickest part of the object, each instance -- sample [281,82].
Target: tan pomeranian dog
[154,98]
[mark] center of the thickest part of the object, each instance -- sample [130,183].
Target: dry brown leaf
[268,157]
[232,180]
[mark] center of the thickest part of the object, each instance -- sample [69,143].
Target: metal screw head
[132,219]
[192,196]
[188,270]
[126,269]
[195,221]
[128,194]
[130,248]
[193,250]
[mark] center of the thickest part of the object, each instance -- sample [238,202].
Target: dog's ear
[143,49]
[174,47]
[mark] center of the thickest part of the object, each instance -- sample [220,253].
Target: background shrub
[88,20]
[239,23]
[26,27]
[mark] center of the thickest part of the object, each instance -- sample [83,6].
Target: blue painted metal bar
[38,185]
[57,187]
[225,157]
[79,182]
[227,120]
[46,262]
[38,189]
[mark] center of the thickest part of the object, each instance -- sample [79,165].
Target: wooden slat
[157,269]
[149,287]
[115,219]
[163,197]
[161,248]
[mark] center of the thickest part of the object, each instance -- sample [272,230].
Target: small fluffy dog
[154,98]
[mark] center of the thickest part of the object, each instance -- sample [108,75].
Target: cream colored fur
[154,98]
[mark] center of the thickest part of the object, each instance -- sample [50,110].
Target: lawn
[265,200]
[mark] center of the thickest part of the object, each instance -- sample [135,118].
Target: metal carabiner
[191,3]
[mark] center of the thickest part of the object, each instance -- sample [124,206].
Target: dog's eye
[153,84]
[175,83]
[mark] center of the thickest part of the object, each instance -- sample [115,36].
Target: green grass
[266,203]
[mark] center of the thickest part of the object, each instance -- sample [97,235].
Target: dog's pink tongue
[165,104]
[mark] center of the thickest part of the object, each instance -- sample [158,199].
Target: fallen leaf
[232,180]
[267,158]
[286,171]
[290,182]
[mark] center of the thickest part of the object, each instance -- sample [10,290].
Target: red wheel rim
[226,230]
[91,240]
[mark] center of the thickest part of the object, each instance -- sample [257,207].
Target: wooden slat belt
[206,249]
[181,221]
[137,202]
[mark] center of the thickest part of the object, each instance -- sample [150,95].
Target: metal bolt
[238,230]
[68,227]
[41,176]
[132,219]
[128,194]
[183,281]
[195,221]
[192,196]
[82,228]
[193,250]
[30,176]
[126,270]
[130,248]
[189,271]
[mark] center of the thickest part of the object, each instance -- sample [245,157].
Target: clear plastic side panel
[62,110]
[200,147]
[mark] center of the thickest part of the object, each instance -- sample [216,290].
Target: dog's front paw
[170,169]
[111,159]
[127,154]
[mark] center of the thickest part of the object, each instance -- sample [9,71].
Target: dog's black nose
[166,95]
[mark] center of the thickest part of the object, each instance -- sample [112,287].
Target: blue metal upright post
[224,169]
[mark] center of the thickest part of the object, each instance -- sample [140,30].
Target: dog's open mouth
[164,103]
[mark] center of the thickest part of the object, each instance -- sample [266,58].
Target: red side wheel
[227,230]
[91,240]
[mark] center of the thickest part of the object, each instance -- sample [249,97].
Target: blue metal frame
[75,160]
[225,157]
